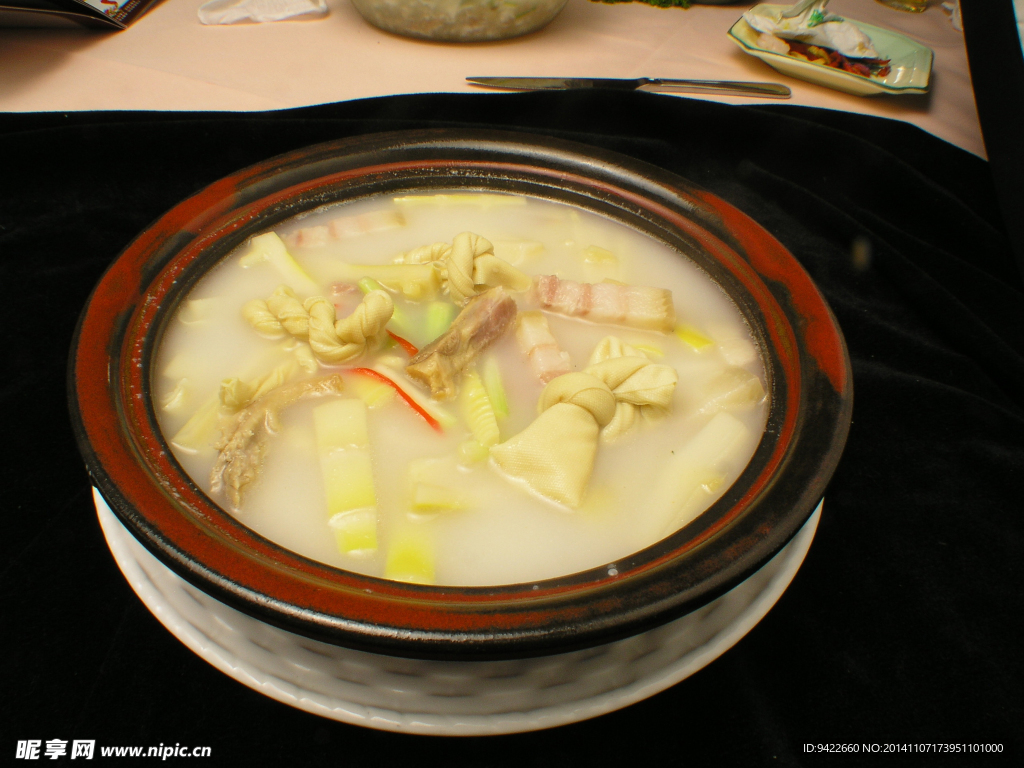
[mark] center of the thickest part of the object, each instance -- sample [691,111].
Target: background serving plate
[910,62]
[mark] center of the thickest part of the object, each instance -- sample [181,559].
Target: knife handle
[727,87]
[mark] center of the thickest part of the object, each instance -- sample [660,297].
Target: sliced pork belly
[535,340]
[635,306]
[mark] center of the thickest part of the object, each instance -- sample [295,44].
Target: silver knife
[656,84]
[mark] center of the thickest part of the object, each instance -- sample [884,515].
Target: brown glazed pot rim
[807,366]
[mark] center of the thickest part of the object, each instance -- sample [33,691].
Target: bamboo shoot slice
[343,444]
[355,532]
[428,497]
[198,432]
[268,247]
[599,264]
[693,475]
[410,557]
[477,409]
[733,389]
[495,388]
[693,338]
[428,491]
[372,392]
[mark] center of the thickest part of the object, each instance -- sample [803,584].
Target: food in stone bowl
[460,395]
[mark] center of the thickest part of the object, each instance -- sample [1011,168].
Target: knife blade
[653,84]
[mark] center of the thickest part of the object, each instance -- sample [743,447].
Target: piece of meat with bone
[244,445]
[535,340]
[635,306]
[484,319]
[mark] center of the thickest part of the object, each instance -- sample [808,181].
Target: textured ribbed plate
[449,697]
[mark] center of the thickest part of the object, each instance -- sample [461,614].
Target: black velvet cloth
[903,623]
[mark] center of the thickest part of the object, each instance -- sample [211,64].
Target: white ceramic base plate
[449,697]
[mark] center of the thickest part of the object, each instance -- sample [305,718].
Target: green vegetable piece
[440,315]
[368,284]
[414,281]
[399,321]
[495,388]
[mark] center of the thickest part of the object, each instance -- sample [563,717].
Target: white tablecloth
[167,60]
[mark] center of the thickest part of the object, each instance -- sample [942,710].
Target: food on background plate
[807,31]
[390,395]
[830,58]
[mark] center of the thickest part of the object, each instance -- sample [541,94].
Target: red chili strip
[408,346]
[370,373]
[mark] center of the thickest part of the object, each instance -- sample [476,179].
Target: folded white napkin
[236,11]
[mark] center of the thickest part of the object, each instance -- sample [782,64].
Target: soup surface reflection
[489,389]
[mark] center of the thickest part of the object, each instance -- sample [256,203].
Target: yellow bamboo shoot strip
[477,409]
[495,389]
[733,389]
[270,248]
[599,264]
[198,432]
[370,391]
[428,489]
[693,474]
[344,448]
[410,557]
[692,337]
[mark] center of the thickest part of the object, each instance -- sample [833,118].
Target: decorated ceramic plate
[910,62]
